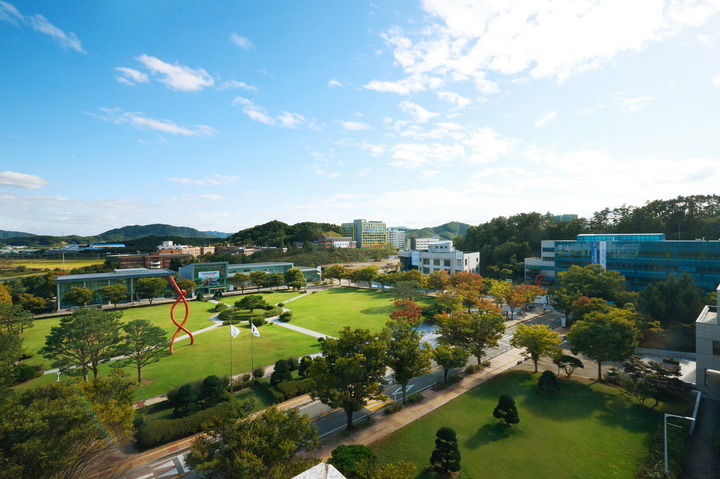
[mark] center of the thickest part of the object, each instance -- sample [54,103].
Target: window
[716,348]
[436,262]
[446,262]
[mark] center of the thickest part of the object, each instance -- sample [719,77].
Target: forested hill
[279,234]
[504,242]
[447,231]
[133,232]
[13,234]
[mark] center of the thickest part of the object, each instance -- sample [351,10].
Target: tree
[506,410]
[83,341]
[150,288]
[79,296]
[187,285]
[294,274]
[5,297]
[407,310]
[593,281]
[32,303]
[61,428]
[14,319]
[258,448]
[143,343]
[604,337]
[514,298]
[450,357]
[276,279]
[212,392]
[475,332]
[538,341]
[530,292]
[414,275]
[407,290]
[672,302]
[354,461]
[498,290]
[186,401]
[336,271]
[548,382]
[568,364]
[251,302]
[446,456]
[405,356]
[297,285]
[438,280]
[240,280]
[304,365]
[258,279]
[280,373]
[642,380]
[114,293]
[366,274]
[350,371]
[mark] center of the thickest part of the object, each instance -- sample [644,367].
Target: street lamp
[666,440]
[58,379]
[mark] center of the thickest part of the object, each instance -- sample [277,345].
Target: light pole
[666,440]
[58,379]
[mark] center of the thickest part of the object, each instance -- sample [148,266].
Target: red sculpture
[538,280]
[181,326]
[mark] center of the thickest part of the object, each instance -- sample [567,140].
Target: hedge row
[160,431]
[235,315]
[274,392]
[287,389]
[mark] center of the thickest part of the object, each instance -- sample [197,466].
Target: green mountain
[446,231]
[13,234]
[277,233]
[218,234]
[136,231]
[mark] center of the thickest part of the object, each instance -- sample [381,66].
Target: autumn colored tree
[407,310]
[438,280]
[475,331]
[538,340]
[513,298]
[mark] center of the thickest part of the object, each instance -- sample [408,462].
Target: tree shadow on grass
[575,400]
[384,310]
[631,417]
[491,432]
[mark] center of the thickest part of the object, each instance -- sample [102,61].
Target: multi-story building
[167,247]
[641,258]
[396,237]
[422,244]
[336,242]
[545,263]
[440,255]
[367,234]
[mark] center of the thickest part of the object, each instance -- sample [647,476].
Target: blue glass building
[643,258]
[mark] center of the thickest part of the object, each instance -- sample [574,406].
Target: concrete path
[703,461]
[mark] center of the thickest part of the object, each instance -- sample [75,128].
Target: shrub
[548,382]
[394,407]
[23,372]
[354,461]
[258,373]
[286,317]
[292,364]
[258,321]
[246,377]
[674,362]
[220,307]
[298,387]
[186,401]
[473,368]
[281,372]
[199,296]
[415,398]
[274,392]
[446,456]
[280,305]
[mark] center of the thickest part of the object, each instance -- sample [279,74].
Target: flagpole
[252,347]
[231,359]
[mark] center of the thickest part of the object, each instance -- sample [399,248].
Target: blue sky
[222,115]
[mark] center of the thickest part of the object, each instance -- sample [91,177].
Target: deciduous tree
[568,364]
[32,303]
[79,296]
[114,293]
[240,280]
[187,285]
[407,310]
[143,343]
[251,302]
[538,340]
[438,280]
[366,274]
[405,355]
[450,358]
[407,290]
[350,371]
[336,271]
[475,331]
[150,288]
[258,279]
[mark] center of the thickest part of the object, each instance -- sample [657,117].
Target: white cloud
[290,120]
[486,145]
[420,114]
[634,104]
[354,125]
[215,180]
[9,13]
[234,84]
[210,197]
[363,172]
[11,179]
[545,119]
[425,174]
[541,39]
[134,75]
[241,101]
[242,42]
[258,113]
[177,77]
[716,81]
[333,82]
[138,120]
[460,101]
[415,155]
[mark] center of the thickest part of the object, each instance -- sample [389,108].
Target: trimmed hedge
[274,392]
[160,431]
[235,315]
[290,389]
[220,307]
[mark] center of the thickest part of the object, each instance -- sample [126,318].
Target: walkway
[703,461]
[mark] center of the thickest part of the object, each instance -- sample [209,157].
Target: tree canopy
[476,331]
[537,340]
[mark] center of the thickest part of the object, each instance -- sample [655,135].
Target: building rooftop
[708,315]
[117,274]
[262,265]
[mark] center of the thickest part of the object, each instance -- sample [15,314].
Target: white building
[442,255]
[396,237]
[422,244]
[546,262]
[707,347]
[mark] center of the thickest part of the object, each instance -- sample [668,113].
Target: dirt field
[384,265]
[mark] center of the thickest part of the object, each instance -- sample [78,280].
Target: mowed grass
[56,263]
[159,315]
[586,431]
[272,298]
[329,311]
[211,355]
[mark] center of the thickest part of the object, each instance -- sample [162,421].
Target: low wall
[665,354]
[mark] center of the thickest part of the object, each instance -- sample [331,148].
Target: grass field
[586,431]
[40,264]
[329,311]
[272,298]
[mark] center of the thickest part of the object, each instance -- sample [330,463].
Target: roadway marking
[375,405]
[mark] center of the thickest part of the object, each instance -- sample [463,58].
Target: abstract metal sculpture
[181,326]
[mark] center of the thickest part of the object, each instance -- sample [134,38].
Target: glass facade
[644,259]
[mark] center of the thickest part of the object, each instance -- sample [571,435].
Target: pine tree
[506,410]
[548,382]
[446,456]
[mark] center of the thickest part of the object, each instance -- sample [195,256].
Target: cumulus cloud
[471,40]
[486,145]
[176,77]
[545,119]
[354,126]
[131,77]
[258,113]
[9,13]
[716,81]
[140,121]
[420,114]
[215,180]
[210,197]
[11,179]
[333,82]
[626,105]
[242,42]
[234,84]
[461,102]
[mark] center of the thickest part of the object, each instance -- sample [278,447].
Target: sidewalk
[387,424]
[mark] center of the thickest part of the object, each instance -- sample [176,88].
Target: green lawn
[272,298]
[329,311]
[585,431]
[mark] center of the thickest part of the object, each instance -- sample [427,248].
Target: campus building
[367,234]
[707,347]
[95,281]
[641,258]
[336,242]
[422,244]
[396,237]
[440,255]
[217,277]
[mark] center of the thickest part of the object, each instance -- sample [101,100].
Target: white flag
[255,331]
[234,331]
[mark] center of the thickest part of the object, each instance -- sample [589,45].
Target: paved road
[327,420]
